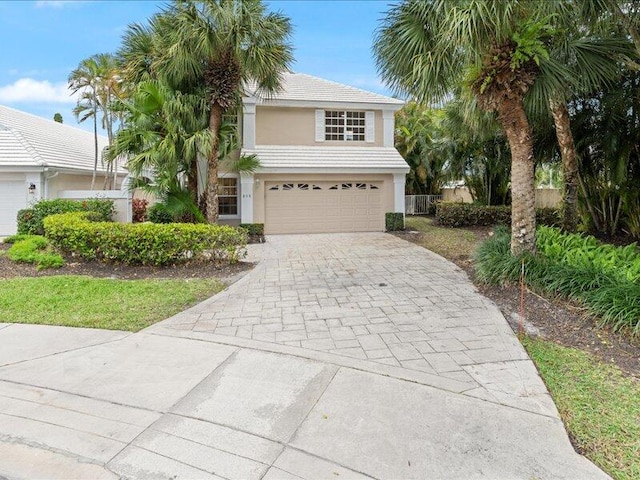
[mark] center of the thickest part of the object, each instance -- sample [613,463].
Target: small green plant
[11,239]
[34,249]
[394,221]
[253,229]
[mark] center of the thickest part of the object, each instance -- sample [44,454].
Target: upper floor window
[344,125]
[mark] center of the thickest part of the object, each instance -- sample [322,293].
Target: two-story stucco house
[328,162]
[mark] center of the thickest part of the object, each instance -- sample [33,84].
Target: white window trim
[369,127]
[238,196]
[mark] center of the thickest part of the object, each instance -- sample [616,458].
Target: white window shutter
[369,127]
[319,125]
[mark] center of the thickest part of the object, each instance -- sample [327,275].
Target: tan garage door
[321,207]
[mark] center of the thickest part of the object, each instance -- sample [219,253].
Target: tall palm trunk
[215,121]
[514,120]
[569,155]
[95,143]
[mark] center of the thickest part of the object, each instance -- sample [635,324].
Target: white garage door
[12,198]
[322,207]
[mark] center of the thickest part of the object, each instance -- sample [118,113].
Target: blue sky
[42,41]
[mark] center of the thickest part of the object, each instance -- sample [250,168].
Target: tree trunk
[95,143]
[215,120]
[569,164]
[192,180]
[513,119]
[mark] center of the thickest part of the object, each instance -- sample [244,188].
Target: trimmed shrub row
[30,219]
[450,214]
[144,243]
[613,298]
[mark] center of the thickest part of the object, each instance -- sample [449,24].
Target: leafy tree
[220,46]
[84,80]
[425,49]
[57,117]
[98,83]
[415,127]
[477,152]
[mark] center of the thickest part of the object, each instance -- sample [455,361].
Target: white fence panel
[419,204]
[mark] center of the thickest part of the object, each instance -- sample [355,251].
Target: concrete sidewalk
[177,401]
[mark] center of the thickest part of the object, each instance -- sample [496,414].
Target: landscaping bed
[99,269]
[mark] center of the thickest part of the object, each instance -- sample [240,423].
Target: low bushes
[255,231]
[450,214]
[33,249]
[30,219]
[562,267]
[144,243]
[394,221]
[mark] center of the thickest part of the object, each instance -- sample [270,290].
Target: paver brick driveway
[339,356]
[380,299]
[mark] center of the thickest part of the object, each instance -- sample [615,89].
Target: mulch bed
[74,266]
[555,319]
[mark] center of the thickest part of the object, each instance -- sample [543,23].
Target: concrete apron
[177,403]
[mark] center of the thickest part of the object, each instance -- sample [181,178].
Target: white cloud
[28,90]
[55,3]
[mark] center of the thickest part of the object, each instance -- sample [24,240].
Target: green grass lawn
[451,243]
[78,301]
[598,404]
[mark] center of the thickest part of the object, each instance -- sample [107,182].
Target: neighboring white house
[40,158]
[328,162]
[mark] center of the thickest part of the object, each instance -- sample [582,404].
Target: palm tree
[164,133]
[425,49]
[84,80]
[584,61]
[97,81]
[222,45]
[416,137]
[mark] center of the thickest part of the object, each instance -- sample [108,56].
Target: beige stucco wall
[545,197]
[460,194]
[260,180]
[297,126]
[65,181]
[548,197]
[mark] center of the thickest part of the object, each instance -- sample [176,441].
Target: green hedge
[253,229]
[394,221]
[450,214]
[612,296]
[30,219]
[145,243]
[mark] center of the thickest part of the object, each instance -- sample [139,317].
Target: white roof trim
[327,159]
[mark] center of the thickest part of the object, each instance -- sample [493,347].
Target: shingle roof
[327,158]
[303,87]
[28,140]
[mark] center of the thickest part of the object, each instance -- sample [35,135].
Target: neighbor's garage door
[12,199]
[322,207]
